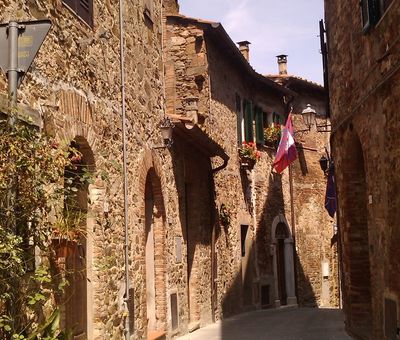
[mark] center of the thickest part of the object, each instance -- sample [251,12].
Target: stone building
[317,260]
[211,93]
[215,96]
[363,64]
[74,88]
[209,234]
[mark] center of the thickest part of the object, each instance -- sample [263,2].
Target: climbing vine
[32,168]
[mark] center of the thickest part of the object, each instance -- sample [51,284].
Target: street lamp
[308,116]
[166,127]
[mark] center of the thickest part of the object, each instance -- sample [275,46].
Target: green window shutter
[239,118]
[248,122]
[259,118]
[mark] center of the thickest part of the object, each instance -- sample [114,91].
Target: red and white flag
[287,152]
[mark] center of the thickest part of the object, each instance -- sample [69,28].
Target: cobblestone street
[273,324]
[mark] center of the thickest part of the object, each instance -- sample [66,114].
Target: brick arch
[74,122]
[76,310]
[150,184]
[352,194]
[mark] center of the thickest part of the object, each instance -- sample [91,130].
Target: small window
[174,311]
[82,8]
[243,236]
[372,11]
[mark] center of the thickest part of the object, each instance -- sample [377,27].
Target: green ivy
[32,168]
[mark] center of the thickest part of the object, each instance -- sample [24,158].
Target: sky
[273,27]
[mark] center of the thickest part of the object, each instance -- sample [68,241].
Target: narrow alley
[199,170]
[282,324]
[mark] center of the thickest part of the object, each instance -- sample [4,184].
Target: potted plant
[248,155]
[68,231]
[272,135]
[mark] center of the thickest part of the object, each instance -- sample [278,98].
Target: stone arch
[73,123]
[153,236]
[283,262]
[352,194]
[76,310]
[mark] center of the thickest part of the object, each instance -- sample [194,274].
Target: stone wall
[74,83]
[364,87]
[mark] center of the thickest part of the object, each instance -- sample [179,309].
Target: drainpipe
[124,170]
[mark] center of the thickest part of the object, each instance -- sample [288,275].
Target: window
[372,11]
[243,236]
[248,121]
[82,8]
[259,120]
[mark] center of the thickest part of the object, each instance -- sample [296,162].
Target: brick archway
[352,194]
[152,234]
[74,123]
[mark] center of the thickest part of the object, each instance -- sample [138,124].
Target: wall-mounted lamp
[309,116]
[166,127]
[323,163]
[326,163]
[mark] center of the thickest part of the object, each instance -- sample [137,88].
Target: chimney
[282,63]
[171,6]
[244,48]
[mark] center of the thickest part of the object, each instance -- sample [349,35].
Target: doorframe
[291,299]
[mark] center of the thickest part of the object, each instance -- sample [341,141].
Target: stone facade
[74,83]
[208,236]
[364,83]
[314,227]
[205,77]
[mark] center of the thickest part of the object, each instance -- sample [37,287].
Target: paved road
[277,324]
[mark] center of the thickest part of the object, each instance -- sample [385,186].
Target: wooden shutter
[85,11]
[276,118]
[71,4]
[259,119]
[248,122]
[370,10]
[239,118]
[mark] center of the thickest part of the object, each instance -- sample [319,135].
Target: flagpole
[293,223]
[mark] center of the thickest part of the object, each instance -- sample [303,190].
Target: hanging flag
[330,194]
[287,152]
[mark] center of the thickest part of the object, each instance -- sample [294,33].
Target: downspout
[124,169]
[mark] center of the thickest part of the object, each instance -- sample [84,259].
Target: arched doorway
[281,234]
[156,307]
[352,194]
[75,310]
[283,262]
